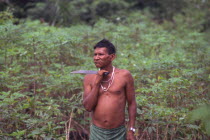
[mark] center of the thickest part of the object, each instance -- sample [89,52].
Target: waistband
[112,129]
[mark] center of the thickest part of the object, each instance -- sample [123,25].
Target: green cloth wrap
[97,133]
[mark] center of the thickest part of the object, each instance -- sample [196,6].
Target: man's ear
[113,56]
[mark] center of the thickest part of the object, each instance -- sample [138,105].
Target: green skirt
[97,133]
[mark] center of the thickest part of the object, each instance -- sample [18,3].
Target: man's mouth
[97,64]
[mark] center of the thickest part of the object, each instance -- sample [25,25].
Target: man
[105,96]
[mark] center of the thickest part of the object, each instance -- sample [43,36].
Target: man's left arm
[131,99]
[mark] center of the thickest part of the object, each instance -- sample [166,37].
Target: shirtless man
[105,96]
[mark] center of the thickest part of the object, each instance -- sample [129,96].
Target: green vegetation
[39,98]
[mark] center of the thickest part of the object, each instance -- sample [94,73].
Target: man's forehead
[102,49]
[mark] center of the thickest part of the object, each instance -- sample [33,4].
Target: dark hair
[104,43]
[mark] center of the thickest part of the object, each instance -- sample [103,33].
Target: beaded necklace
[111,79]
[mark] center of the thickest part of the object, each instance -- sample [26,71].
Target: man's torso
[110,109]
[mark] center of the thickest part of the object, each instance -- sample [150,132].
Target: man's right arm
[91,91]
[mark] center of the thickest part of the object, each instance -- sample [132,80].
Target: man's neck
[108,68]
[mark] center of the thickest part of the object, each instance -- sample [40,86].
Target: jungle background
[163,43]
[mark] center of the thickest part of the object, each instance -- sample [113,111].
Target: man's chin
[98,66]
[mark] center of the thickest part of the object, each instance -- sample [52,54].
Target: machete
[88,72]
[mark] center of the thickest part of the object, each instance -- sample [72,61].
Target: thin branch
[68,126]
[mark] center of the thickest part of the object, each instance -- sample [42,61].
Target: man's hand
[130,135]
[99,76]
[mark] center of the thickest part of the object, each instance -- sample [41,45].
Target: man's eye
[98,54]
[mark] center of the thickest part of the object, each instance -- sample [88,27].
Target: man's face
[102,58]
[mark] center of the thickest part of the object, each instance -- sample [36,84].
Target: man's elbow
[87,107]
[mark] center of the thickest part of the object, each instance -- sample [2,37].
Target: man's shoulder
[89,76]
[126,74]
[123,72]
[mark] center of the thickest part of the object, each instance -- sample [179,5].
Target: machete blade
[85,72]
[88,72]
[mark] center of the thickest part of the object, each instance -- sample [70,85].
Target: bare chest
[115,87]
